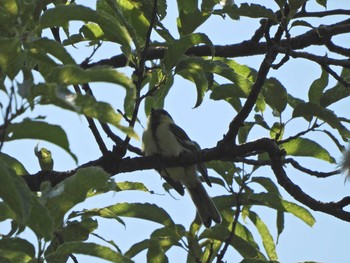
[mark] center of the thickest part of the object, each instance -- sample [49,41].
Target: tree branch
[251,47]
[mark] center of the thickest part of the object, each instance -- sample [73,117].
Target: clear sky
[327,241]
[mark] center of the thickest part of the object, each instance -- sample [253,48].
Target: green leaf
[276,202]
[243,247]
[256,11]
[277,131]
[6,212]
[155,253]
[104,112]
[156,101]
[275,95]
[74,75]
[338,92]
[73,190]
[47,47]
[28,129]
[13,163]
[179,47]
[195,74]
[15,193]
[267,183]
[137,248]
[90,249]
[40,220]
[306,147]
[317,88]
[265,234]
[11,57]
[295,4]
[309,110]
[144,211]
[16,250]
[190,17]
[322,3]
[60,15]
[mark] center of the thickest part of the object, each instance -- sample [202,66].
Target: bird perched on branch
[164,138]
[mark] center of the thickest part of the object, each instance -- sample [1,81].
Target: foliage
[37,68]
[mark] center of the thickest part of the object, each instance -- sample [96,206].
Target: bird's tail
[205,207]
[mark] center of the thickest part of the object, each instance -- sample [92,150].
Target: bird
[162,137]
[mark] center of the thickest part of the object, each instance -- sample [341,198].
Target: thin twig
[93,128]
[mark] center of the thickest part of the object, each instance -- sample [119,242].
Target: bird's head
[159,116]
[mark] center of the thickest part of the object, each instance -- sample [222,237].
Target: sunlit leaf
[13,163]
[16,250]
[144,211]
[90,249]
[62,14]
[307,147]
[175,51]
[242,246]
[74,75]
[309,110]
[11,57]
[265,234]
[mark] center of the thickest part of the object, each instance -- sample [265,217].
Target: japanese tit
[163,137]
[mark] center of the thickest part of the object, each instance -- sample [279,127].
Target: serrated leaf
[61,14]
[29,129]
[73,190]
[309,110]
[265,234]
[302,23]
[317,87]
[16,250]
[306,147]
[256,11]
[13,163]
[91,249]
[175,51]
[137,248]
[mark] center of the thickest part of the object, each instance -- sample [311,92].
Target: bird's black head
[158,116]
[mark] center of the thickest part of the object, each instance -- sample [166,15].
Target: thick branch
[246,48]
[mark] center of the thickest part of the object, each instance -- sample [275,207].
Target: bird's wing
[191,146]
[177,185]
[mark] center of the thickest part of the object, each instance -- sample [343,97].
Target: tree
[41,43]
